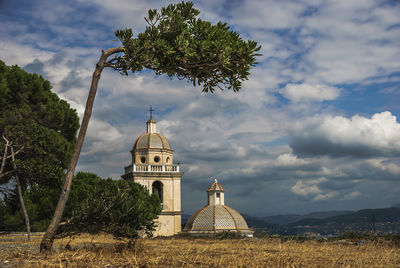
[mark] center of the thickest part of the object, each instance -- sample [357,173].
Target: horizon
[315,128]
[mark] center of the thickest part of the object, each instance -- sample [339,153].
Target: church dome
[152,141]
[216,217]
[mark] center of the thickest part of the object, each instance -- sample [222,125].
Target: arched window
[157,188]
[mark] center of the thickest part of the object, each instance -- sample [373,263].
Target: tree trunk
[3,160]
[21,199]
[48,238]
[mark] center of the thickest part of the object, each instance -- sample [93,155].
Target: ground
[104,251]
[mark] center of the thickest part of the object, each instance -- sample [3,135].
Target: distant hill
[386,220]
[286,219]
[396,205]
[257,223]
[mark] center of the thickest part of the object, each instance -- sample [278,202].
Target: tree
[33,117]
[3,159]
[175,43]
[118,207]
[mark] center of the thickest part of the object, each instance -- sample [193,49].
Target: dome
[153,141]
[216,218]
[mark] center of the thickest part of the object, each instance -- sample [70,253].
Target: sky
[316,127]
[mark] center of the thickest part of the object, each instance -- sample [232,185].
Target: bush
[118,207]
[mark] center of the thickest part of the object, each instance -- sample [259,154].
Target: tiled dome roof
[152,140]
[216,218]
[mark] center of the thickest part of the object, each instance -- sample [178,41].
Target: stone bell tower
[153,166]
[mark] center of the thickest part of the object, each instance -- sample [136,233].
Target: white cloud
[385,165]
[304,189]
[321,197]
[310,189]
[328,42]
[352,195]
[20,54]
[128,13]
[102,137]
[307,92]
[268,14]
[354,40]
[289,159]
[340,136]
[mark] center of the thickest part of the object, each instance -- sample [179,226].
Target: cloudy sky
[314,128]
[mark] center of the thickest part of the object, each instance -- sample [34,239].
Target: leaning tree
[178,44]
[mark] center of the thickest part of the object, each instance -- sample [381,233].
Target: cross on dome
[151,124]
[151,112]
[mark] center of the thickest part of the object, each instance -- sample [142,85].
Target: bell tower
[153,167]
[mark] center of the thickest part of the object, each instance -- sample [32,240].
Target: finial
[215,180]
[151,112]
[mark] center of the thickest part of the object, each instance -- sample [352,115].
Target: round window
[143,159]
[156,159]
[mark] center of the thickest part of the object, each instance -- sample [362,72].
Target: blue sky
[314,128]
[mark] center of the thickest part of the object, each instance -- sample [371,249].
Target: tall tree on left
[34,117]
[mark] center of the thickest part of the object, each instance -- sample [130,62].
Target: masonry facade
[153,167]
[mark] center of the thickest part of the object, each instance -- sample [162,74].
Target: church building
[153,167]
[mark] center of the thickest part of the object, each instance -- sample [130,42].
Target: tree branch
[21,199]
[15,153]
[6,173]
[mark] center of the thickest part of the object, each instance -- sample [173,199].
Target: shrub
[118,207]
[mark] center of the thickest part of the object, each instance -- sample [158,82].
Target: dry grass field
[103,251]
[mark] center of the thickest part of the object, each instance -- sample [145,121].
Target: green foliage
[118,207]
[95,205]
[34,117]
[81,189]
[181,45]
[40,202]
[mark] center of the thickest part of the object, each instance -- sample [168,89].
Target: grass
[104,251]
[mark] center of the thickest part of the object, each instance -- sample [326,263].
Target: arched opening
[157,188]
[143,159]
[167,160]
